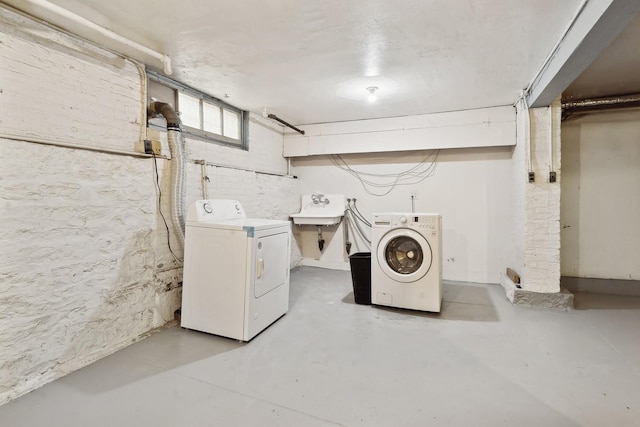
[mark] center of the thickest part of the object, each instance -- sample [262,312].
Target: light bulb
[372,93]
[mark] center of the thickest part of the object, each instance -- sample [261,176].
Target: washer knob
[403,219]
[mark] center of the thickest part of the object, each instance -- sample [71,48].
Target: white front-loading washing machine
[236,270]
[406,269]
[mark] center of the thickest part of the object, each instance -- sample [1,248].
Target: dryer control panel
[215,210]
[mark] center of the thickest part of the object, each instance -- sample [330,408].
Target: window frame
[200,133]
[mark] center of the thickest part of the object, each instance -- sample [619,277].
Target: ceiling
[311,61]
[616,71]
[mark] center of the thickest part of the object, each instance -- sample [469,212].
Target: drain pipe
[174,136]
[320,239]
[347,242]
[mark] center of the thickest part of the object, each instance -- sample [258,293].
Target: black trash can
[361,277]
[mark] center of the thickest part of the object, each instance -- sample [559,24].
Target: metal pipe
[571,109]
[220,165]
[74,146]
[347,242]
[279,120]
[320,240]
[618,101]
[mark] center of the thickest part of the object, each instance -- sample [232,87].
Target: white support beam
[485,127]
[599,23]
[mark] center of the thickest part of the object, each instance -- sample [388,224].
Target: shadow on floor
[155,355]
[591,301]
[459,302]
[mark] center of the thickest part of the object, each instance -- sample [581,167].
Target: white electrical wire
[527,130]
[550,110]
[142,72]
[413,175]
[555,49]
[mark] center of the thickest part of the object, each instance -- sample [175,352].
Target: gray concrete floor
[329,361]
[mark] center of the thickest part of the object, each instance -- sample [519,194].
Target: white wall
[85,265]
[600,207]
[470,187]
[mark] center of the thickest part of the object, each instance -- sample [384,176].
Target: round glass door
[404,255]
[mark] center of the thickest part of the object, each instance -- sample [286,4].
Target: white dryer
[236,270]
[406,269]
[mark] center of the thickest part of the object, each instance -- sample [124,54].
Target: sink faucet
[318,199]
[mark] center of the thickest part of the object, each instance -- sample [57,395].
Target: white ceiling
[310,61]
[616,71]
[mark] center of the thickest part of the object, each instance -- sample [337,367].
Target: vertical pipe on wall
[174,136]
[205,179]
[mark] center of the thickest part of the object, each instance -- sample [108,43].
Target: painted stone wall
[85,267]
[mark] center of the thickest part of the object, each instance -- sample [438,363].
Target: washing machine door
[404,255]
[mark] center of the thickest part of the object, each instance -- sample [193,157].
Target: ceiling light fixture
[372,93]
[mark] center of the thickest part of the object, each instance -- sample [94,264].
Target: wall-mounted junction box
[532,177]
[151,145]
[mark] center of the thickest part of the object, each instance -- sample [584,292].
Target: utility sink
[320,209]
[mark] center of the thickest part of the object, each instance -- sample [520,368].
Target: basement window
[203,116]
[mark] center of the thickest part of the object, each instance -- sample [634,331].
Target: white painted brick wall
[85,265]
[536,206]
[41,68]
[78,271]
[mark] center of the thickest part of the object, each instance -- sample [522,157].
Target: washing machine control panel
[421,221]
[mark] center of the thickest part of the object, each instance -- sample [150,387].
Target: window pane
[231,124]
[212,119]
[189,110]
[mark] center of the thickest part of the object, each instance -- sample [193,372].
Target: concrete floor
[481,362]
